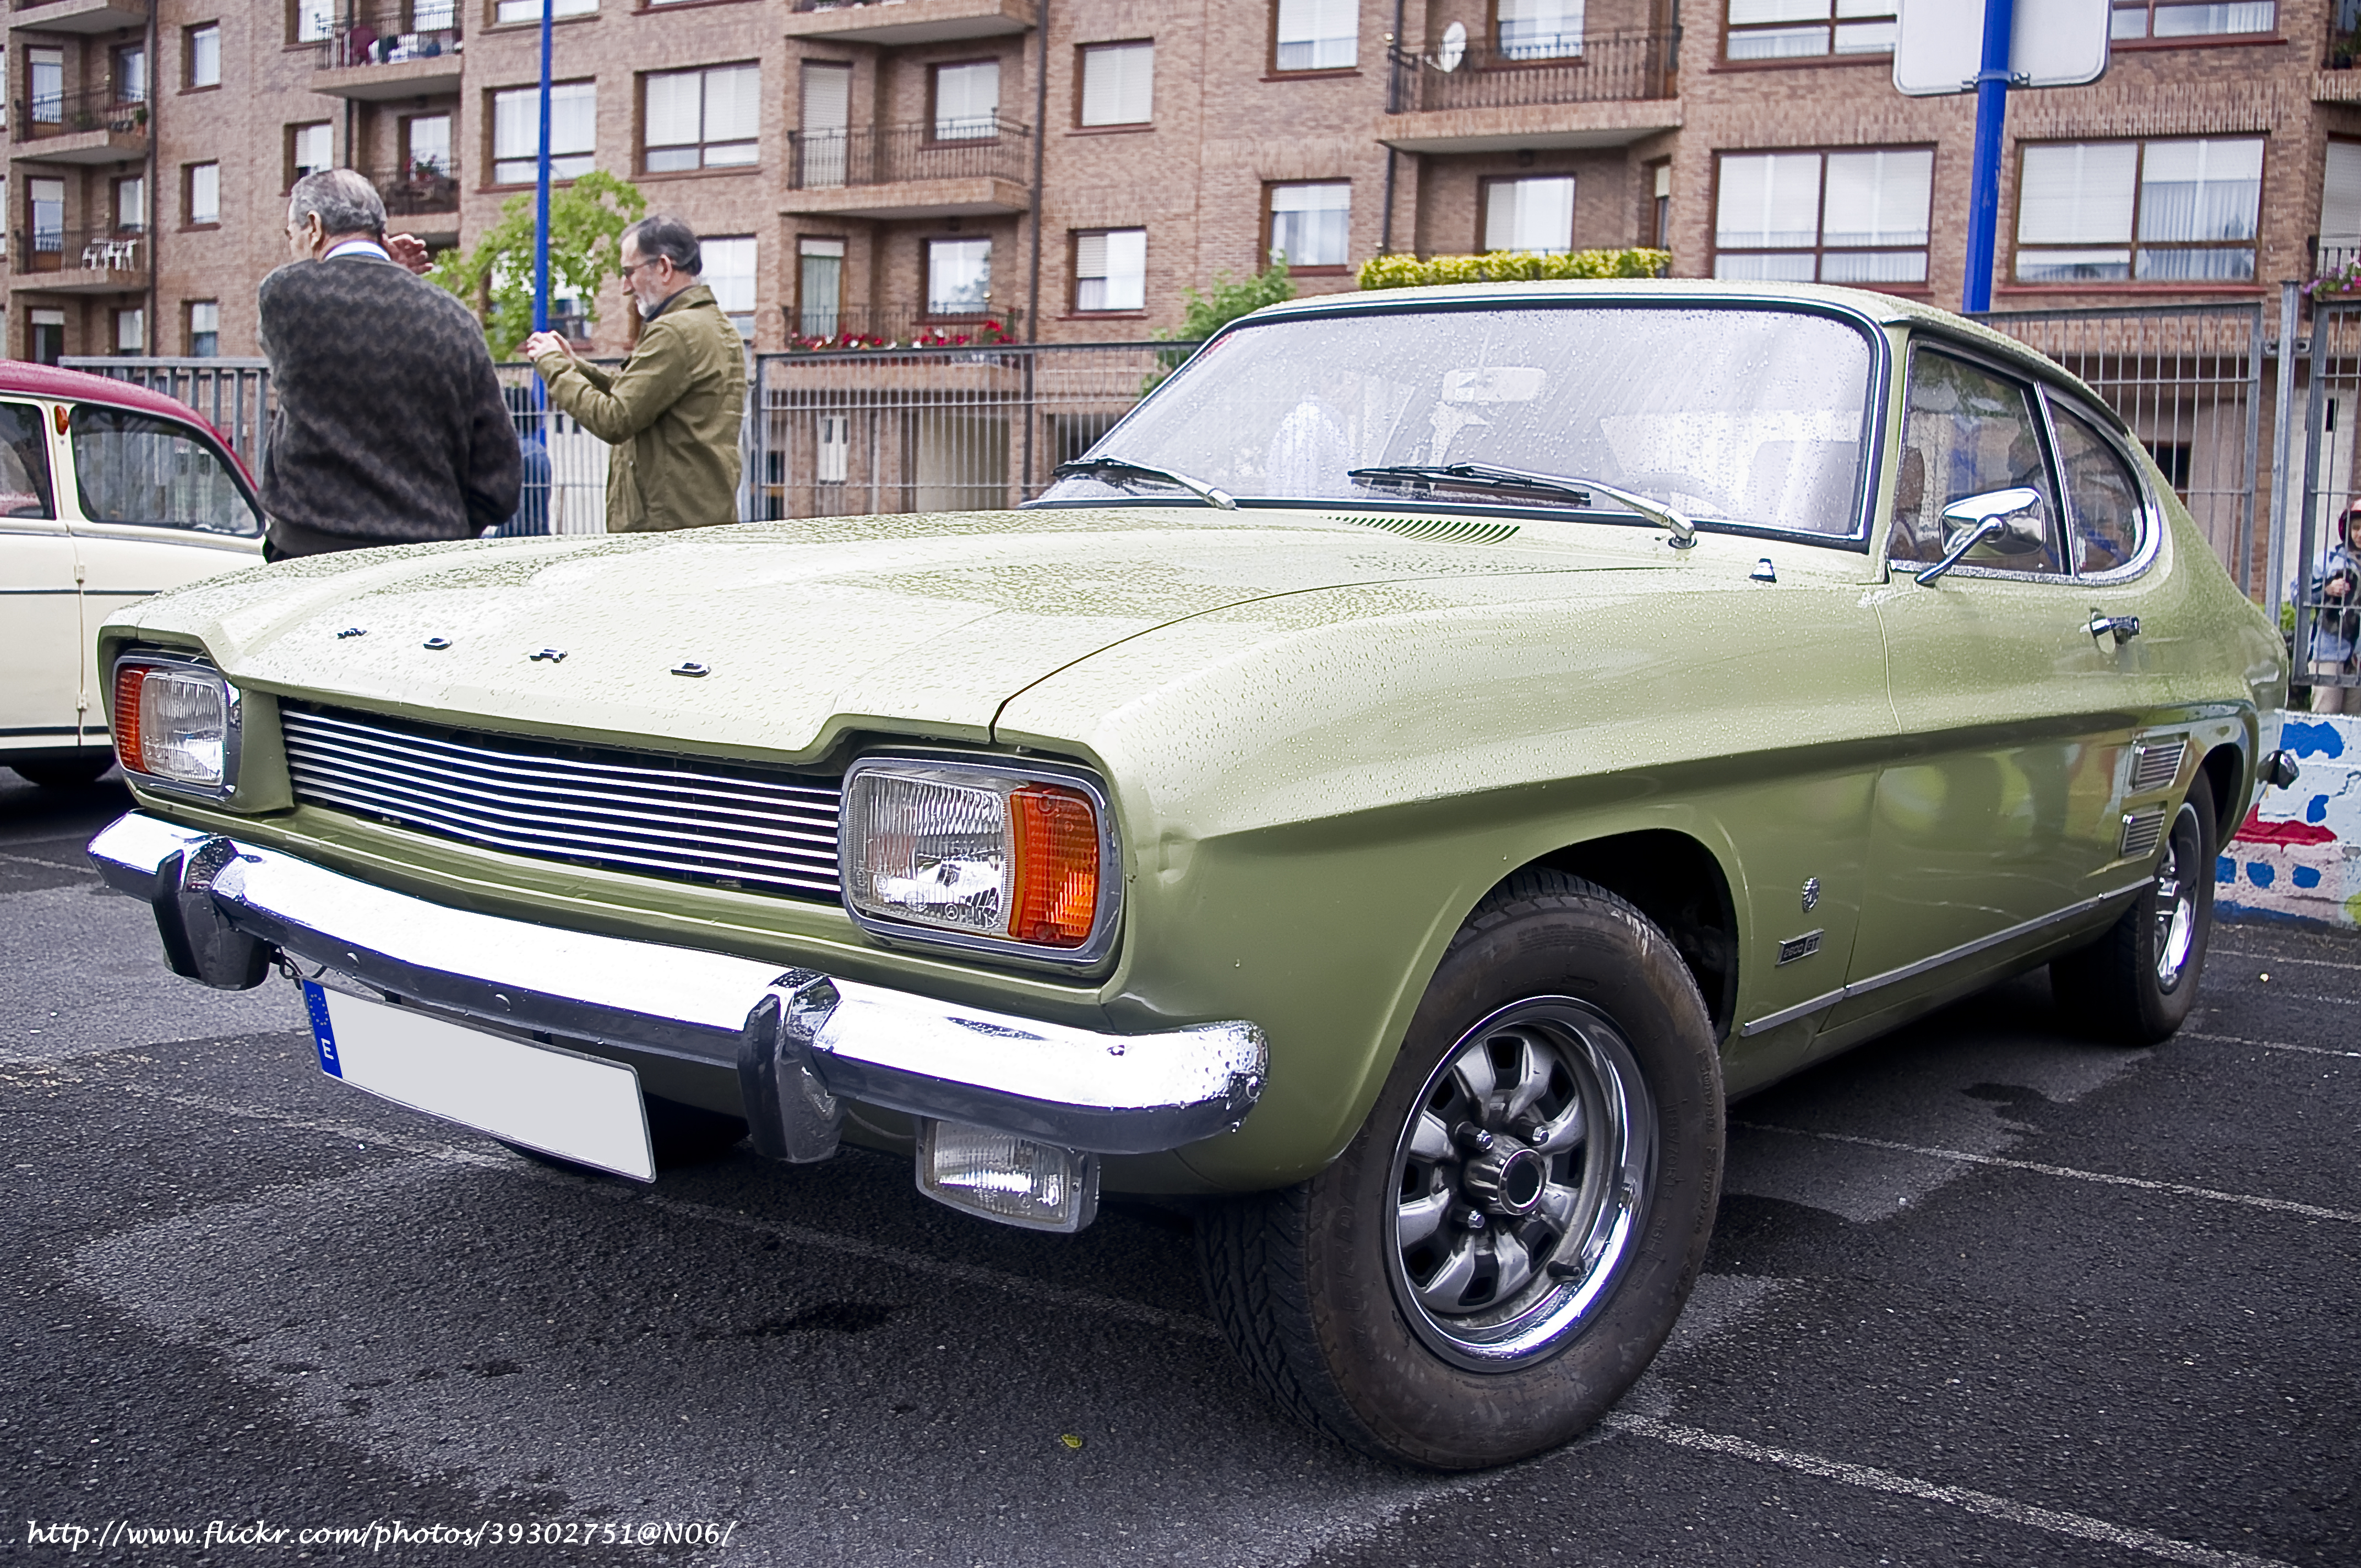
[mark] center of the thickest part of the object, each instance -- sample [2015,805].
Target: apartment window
[46,338]
[730,273]
[516,132]
[1118,85]
[1316,35]
[426,145]
[45,84]
[310,21]
[46,210]
[819,287]
[205,329]
[967,100]
[1798,30]
[530,10]
[958,277]
[2340,206]
[1111,271]
[200,193]
[309,150]
[131,204]
[131,331]
[2177,19]
[1538,30]
[126,73]
[1309,224]
[1834,218]
[827,112]
[202,52]
[703,119]
[2142,211]
[1660,206]
[1529,214]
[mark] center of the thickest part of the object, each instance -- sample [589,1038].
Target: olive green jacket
[671,411]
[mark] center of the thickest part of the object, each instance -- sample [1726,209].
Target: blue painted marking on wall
[315,1003]
[2261,875]
[2311,738]
[2306,876]
[2316,809]
[2224,869]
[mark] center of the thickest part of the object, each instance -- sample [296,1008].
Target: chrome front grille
[684,818]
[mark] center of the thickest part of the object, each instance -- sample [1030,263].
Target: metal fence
[2315,559]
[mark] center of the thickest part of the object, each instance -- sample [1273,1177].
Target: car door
[40,656]
[1998,819]
[157,503]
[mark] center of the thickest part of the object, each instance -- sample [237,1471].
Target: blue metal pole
[1983,189]
[541,190]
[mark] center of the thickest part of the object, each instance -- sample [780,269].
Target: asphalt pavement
[1980,1293]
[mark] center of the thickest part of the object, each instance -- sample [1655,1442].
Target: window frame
[1817,250]
[188,333]
[927,243]
[114,187]
[189,219]
[934,121]
[1075,307]
[2134,245]
[559,13]
[1828,56]
[1082,53]
[492,130]
[703,145]
[1484,186]
[1272,68]
[844,245]
[753,313]
[2150,39]
[1271,189]
[189,82]
[296,12]
[292,136]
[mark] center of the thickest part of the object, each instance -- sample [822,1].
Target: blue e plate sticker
[315,1001]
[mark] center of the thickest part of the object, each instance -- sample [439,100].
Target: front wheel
[2137,985]
[1503,1246]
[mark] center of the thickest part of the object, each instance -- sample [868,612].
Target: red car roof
[28,379]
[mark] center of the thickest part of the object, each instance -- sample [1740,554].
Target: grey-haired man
[390,428]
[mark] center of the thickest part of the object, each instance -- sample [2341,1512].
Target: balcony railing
[424,30]
[41,249]
[67,113]
[1601,68]
[821,160]
[873,327]
[423,188]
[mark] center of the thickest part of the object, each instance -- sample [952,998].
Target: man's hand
[543,343]
[410,250]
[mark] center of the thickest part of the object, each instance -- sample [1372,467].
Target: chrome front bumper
[801,1041]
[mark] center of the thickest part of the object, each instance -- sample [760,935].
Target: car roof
[27,380]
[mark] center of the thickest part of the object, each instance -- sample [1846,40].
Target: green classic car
[1392,792]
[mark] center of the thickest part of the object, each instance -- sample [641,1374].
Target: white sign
[2052,43]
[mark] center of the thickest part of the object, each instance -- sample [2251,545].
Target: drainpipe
[1040,145]
[153,193]
[1393,156]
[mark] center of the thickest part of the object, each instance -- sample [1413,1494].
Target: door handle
[2123,627]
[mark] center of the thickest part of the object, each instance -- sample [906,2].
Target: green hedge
[1512,267]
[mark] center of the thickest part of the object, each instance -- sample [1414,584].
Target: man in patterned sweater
[390,428]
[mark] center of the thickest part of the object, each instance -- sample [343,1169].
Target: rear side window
[1967,431]
[2101,492]
[136,468]
[24,463]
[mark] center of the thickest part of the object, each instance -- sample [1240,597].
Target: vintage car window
[1752,416]
[1966,432]
[2100,492]
[24,463]
[136,468]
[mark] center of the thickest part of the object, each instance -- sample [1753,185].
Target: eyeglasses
[632,267]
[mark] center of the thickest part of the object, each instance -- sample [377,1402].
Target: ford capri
[1390,795]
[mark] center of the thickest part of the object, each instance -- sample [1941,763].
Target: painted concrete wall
[2297,856]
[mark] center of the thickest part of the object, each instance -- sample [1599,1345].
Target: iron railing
[1600,68]
[69,114]
[819,161]
[424,30]
[424,188]
[865,327]
[97,250]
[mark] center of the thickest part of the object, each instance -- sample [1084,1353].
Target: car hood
[930,619]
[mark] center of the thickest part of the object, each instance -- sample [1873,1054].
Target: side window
[2104,498]
[133,467]
[24,463]
[1967,432]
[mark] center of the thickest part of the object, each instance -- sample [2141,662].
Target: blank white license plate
[574,1107]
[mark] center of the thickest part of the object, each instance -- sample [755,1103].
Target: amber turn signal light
[1056,845]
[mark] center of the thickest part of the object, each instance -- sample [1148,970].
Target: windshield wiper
[1102,467]
[1487,476]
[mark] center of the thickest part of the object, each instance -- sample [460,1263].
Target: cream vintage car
[1391,794]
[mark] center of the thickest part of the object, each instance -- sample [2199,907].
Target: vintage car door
[1998,817]
[40,656]
[156,504]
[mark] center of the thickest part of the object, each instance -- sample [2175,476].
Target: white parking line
[2282,959]
[2267,1044]
[2057,1521]
[2277,1205]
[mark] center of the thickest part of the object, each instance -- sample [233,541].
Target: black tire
[1404,1349]
[2135,985]
[681,1135]
[64,772]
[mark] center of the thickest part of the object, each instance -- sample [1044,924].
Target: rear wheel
[2137,985]
[1502,1247]
[64,772]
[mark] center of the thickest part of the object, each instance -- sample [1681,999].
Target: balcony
[80,128]
[868,328]
[79,16]
[79,261]
[1605,90]
[423,200]
[892,24]
[909,171]
[409,51]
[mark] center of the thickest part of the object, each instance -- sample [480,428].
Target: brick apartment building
[1067,168]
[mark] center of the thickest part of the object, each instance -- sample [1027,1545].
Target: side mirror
[2009,520]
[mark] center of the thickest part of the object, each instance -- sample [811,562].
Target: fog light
[1000,1175]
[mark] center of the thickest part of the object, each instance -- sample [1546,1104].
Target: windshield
[1749,416]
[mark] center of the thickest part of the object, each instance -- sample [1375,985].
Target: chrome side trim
[1826,999]
[1084,1089]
